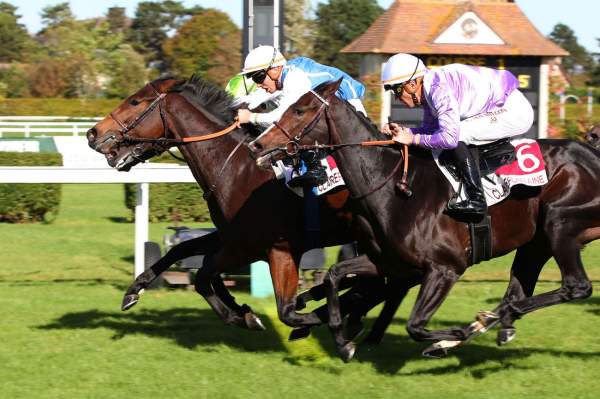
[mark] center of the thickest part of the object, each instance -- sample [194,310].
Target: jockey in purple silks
[462,105]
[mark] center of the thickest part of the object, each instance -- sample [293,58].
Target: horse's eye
[299,111]
[134,102]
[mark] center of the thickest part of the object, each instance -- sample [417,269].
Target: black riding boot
[315,172]
[468,171]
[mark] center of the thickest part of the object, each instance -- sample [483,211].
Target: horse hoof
[253,322]
[440,349]
[299,333]
[505,335]
[129,301]
[435,353]
[347,351]
[488,319]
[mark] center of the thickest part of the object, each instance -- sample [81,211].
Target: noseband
[293,145]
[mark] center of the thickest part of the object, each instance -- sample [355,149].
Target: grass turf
[63,335]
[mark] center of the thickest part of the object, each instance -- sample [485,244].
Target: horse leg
[575,282]
[208,243]
[208,274]
[355,303]
[317,292]
[396,290]
[284,274]
[437,283]
[361,266]
[526,268]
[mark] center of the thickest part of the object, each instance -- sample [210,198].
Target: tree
[578,58]
[126,70]
[151,25]
[13,35]
[117,21]
[595,72]
[298,28]
[338,23]
[207,45]
[57,15]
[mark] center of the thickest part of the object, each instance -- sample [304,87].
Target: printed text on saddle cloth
[528,169]
[334,178]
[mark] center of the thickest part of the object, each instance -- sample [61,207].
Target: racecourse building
[493,33]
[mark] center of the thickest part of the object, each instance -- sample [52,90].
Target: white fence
[45,125]
[141,174]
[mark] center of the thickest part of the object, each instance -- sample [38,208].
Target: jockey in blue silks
[287,81]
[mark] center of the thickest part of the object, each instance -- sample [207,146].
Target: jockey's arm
[256,98]
[296,84]
[441,131]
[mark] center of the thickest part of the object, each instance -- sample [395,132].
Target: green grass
[63,335]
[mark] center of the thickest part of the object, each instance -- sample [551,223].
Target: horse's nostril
[255,146]
[91,135]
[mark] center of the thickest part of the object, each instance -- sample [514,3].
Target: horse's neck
[364,168]
[229,177]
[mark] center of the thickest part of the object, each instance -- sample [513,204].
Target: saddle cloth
[288,172]
[528,169]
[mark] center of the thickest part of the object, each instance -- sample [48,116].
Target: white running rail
[46,125]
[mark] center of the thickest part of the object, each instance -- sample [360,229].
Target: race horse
[410,236]
[256,216]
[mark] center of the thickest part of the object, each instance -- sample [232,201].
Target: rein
[165,142]
[293,147]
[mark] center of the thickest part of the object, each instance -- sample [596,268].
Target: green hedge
[170,202]
[58,106]
[26,203]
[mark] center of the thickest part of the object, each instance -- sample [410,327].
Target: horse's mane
[205,95]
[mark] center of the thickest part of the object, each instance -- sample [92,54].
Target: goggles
[396,88]
[258,76]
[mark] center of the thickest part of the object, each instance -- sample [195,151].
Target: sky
[579,15]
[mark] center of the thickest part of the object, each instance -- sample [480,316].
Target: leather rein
[165,142]
[293,147]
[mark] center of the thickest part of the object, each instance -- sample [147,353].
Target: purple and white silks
[457,92]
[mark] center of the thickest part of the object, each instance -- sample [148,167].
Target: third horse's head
[302,123]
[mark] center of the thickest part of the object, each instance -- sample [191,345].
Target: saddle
[489,156]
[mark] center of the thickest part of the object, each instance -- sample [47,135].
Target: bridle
[162,144]
[293,146]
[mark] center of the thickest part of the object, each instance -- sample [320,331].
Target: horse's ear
[331,88]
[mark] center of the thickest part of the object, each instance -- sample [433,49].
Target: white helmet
[262,57]
[401,68]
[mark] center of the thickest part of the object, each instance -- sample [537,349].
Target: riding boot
[468,171]
[314,175]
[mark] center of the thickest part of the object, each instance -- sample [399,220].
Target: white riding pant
[513,118]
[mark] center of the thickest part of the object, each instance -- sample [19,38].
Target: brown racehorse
[413,236]
[257,217]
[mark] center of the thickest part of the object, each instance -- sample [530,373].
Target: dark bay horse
[256,216]
[412,236]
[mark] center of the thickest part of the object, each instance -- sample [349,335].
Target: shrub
[175,202]
[26,203]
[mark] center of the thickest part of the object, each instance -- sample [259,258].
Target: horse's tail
[593,137]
